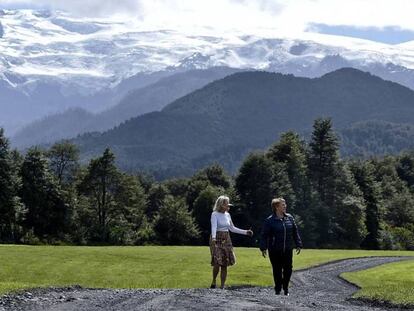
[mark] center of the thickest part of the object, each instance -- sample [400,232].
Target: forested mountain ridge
[245,111]
[139,100]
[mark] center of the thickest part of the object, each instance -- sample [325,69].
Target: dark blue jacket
[280,234]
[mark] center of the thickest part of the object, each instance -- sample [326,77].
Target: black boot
[277,290]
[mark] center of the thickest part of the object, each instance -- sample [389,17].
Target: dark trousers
[282,268]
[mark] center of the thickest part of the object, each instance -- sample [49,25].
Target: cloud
[94,8]
[283,15]
[358,13]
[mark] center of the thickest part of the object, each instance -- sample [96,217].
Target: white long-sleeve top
[223,222]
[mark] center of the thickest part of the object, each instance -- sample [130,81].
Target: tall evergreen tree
[128,224]
[174,223]
[213,175]
[20,209]
[155,199]
[364,176]
[100,184]
[254,188]
[291,152]
[405,169]
[349,229]
[395,192]
[217,176]
[10,205]
[64,157]
[323,157]
[41,194]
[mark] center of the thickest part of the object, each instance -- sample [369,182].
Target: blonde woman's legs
[215,273]
[223,276]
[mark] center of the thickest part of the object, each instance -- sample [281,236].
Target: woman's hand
[249,232]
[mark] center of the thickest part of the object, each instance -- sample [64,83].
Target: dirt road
[317,288]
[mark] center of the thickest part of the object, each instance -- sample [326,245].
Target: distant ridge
[245,111]
[152,97]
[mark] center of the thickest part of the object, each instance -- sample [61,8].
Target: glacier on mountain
[45,51]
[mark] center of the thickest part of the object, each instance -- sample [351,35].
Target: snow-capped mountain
[51,61]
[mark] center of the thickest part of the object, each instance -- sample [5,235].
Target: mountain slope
[376,138]
[53,61]
[245,111]
[139,101]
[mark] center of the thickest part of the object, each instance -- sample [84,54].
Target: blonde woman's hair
[219,205]
[275,202]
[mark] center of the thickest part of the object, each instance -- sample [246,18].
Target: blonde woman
[221,248]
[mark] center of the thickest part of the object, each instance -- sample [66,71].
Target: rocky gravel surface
[318,288]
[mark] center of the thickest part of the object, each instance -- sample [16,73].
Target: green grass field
[144,267]
[392,282]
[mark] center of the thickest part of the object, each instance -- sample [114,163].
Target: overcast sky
[380,20]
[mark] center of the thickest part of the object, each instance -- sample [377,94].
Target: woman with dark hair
[278,236]
[221,248]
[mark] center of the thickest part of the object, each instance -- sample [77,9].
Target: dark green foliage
[112,205]
[130,201]
[405,169]
[348,217]
[376,138]
[63,159]
[336,203]
[156,196]
[174,224]
[177,187]
[323,171]
[290,151]
[398,238]
[100,184]
[217,176]
[364,176]
[254,188]
[213,175]
[46,209]
[11,209]
[323,159]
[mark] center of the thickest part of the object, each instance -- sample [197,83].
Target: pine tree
[41,194]
[364,177]
[10,205]
[290,151]
[254,188]
[405,169]
[129,200]
[99,185]
[63,158]
[174,223]
[322,161]
[349,229]
[156,196]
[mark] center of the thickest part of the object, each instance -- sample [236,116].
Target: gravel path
[317,288]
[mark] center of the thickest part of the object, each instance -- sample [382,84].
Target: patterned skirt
[222,251]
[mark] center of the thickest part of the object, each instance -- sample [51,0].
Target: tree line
[48,197]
